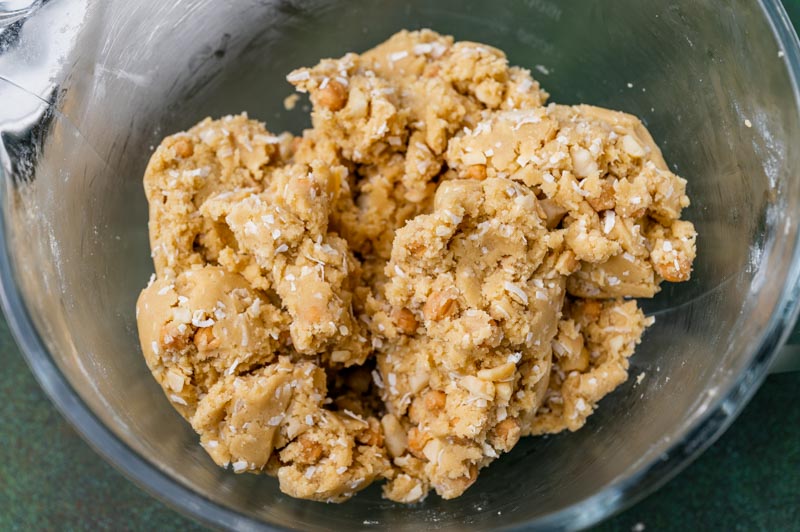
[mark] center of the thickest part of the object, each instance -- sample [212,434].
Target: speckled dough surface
[438,267]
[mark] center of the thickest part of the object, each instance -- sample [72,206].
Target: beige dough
[432,271]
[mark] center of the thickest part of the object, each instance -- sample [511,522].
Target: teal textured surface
[51,480]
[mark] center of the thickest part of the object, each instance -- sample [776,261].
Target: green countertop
[51,480]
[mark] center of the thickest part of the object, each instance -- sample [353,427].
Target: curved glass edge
[621,494]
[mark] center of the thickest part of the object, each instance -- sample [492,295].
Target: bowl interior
[706,78]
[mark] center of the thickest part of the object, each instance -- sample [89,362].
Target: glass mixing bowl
[87,88]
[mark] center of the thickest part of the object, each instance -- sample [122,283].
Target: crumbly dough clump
[435,269]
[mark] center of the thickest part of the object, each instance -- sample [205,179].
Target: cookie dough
[438,267]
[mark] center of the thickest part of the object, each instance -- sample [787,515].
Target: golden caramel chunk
[475,171]
[333,96]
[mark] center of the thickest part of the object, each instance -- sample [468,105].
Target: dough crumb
[290,101]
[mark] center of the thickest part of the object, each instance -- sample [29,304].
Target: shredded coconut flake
[298,75]
[198,172]
[530,119]
[377,378]
[198,321]
[515,290]
[231,369]
[577,188]
[267,139]
[397,56]
[422,49]
[453,218]
[355,416]
[177,399]
[608,221]
[164,290]
[541,296]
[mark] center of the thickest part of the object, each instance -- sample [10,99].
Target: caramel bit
[371,437]
[333,96]
[172,339]
[204,339]
[439,305]
[675,272]
[405,320]
[507,434]
[183,148]
[475,171]
[435,400]
[311,451]
[591,309]
[439,266]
